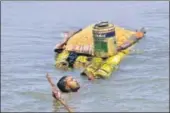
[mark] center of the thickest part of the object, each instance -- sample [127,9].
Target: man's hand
[56,94]
[90,76]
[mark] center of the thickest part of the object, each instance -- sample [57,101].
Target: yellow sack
[122,35]
[91,68]
[81,61]
[60,61]
[111,64]
[82,42]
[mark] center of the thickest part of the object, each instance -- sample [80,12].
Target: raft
[79,52]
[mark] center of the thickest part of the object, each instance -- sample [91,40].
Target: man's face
[72,83]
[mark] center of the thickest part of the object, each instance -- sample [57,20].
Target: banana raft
[98,49]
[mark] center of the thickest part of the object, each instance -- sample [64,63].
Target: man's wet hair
[62,85]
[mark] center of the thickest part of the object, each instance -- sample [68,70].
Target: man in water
[66,84]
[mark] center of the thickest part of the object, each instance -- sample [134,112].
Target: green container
[104,40]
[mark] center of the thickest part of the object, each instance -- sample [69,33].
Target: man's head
[68,84]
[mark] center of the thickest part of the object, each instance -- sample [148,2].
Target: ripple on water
[28,37]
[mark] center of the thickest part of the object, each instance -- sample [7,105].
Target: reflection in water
[57,106]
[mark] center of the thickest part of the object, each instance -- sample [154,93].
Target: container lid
[102,24]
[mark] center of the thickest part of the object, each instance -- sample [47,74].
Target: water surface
[30,30]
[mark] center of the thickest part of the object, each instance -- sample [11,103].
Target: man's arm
[56,93]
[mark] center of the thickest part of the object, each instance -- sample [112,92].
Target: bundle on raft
[98,49]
